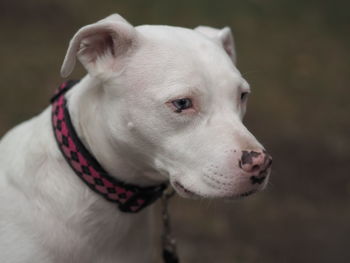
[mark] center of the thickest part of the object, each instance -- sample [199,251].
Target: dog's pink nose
[255,162]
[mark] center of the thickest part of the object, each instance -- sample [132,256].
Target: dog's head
[174,98]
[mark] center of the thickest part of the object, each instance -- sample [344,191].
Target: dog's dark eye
[182,104]
[244,95]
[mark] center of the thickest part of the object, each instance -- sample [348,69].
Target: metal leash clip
[168,241]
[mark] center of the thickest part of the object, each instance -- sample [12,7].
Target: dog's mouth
[185,192]
[245,194]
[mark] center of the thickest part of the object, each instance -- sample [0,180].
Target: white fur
[122,112]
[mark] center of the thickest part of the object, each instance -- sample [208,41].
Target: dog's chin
[192,194]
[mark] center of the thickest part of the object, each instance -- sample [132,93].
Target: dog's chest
[116,239]
[60,219]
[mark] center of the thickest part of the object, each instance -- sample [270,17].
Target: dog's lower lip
[248,193]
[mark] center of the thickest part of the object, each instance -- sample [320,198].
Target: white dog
[158,104]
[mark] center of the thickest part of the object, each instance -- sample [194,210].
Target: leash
[168,241]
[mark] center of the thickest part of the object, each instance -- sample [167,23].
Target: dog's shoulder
[25,143]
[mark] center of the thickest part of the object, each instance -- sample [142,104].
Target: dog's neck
[90,124]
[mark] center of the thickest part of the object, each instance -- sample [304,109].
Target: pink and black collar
[130,198]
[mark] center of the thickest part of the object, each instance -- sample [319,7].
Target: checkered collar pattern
[129,198]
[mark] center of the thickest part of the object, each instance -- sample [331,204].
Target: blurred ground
[295,54]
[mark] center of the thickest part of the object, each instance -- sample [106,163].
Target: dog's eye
[182,104]
[244,96]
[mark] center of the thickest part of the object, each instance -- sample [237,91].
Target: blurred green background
[296,56]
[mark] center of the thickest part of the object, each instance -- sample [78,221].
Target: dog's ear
[99,46]
[223,36]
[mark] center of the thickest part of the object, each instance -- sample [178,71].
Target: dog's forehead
[164,32]
[181,41]
[183,57]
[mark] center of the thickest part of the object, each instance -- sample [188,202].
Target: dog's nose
[255,161]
